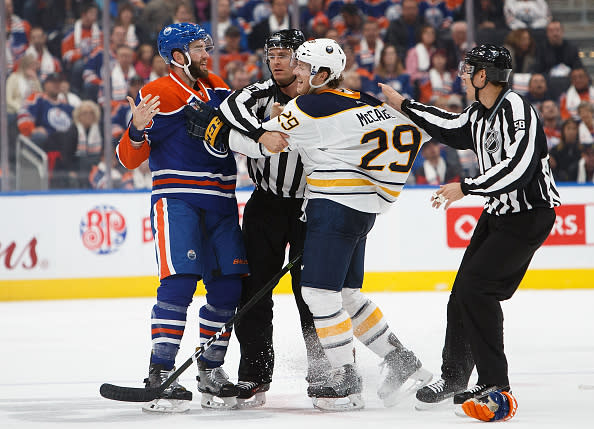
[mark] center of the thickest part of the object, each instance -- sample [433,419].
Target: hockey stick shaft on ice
[147,394]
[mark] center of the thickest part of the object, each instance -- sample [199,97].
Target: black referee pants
[491,270]
[269,224]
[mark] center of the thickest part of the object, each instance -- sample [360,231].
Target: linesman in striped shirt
[270,220]
[504,131]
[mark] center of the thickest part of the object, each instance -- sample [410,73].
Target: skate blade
[350,403]
[258,400]
[418,379]
[217,403]
[167,406]
[433,406]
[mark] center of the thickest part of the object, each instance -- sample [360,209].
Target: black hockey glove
[203,123]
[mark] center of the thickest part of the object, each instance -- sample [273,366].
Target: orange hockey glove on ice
[493,407]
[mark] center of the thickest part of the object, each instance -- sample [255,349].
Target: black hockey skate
[318,374]
[405,376]
[478,391]
[174,399]
[436,393]
[340,392]
[251,394]
[217,391]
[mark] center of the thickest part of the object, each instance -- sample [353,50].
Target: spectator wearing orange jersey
[581,89]
[78,44]
[232,52]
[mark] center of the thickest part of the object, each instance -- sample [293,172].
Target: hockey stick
[147,394]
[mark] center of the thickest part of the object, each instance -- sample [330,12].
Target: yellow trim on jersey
[339,328]
[348,182]
[372,320]
[355,95]
[334,114]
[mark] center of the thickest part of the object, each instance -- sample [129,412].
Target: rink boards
[99,244]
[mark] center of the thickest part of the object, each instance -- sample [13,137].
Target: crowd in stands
[55,54]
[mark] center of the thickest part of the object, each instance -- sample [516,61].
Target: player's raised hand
[276,109]
[393,97]
[146,110]
[274,141]
[447,194]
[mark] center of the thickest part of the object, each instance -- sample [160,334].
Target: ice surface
[56,354]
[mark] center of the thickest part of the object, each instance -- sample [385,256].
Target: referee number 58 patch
[520,124]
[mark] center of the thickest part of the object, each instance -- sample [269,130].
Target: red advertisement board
[569,228]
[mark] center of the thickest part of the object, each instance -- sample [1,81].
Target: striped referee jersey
[281,174]
[510,145]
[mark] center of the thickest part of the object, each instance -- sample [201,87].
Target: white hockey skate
[175,399]
[251,394]
[217,391]
[405,376]
[340,392]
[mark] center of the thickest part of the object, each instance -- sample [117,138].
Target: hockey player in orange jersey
[193,214]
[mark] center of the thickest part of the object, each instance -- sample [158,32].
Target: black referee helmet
[495,60]
[286,39]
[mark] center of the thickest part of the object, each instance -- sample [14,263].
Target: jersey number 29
[382,141]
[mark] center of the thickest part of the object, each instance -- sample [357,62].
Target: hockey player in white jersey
[357,154]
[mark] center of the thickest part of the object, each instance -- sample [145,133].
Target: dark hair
[87,6]
[125,6]
[563,125]
[513,39]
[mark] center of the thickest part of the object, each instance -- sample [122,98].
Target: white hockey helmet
[322,53]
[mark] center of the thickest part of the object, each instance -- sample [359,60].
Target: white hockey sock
[336,336]
[369,324]
[332,323]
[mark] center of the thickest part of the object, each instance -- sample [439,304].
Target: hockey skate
[217,391]
[175,399]
[405,376]
[318,374]
[436,394]
[340,392]
[251,394]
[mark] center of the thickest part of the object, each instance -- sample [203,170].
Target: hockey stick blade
[129,394]
[138,394]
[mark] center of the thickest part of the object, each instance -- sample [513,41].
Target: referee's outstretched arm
[449,128]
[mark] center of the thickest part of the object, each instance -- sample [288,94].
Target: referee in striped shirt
[504,131]
[270,220]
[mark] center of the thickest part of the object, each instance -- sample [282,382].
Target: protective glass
[206,46]
[279,54]
[465,68]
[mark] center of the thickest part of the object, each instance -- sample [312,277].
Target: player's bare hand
[447,194]
[146,110]
[274,141]
[393,97]
[276,109]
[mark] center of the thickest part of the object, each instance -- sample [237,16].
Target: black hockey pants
[491,270]
[269,223]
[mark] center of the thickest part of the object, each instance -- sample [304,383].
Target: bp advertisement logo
[103,230]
